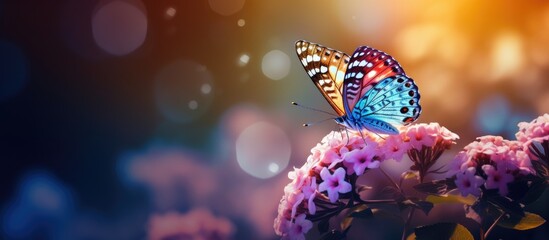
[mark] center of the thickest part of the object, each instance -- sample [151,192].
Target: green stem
[407,223]
[493,225]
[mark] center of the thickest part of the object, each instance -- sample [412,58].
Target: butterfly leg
[380,136]
[363,139]
[346,132]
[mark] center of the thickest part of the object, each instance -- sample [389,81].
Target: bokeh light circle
[119,27]
[263,150]
[170,13]
[13,73]
[40,199]
[492,114]
[226,7]
[183,91]
[243,60]
[241,22]
[275,65]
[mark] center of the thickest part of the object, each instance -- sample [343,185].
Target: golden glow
[507,55]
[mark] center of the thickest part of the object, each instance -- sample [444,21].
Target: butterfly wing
[367,67]
[393,101]
[326,67]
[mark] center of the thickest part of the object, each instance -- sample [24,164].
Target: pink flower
[536,130]
[468,183]
[419,135]
[359,159]
[427,142]
[297,229]
[394,147]
[334,156]
[501,161]
[497,178]
[309,192]
[458,164]
[334,183]
[534,137]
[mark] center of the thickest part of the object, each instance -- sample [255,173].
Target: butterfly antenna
[315,123]
[314,109]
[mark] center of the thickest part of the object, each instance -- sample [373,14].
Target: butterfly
[368,90]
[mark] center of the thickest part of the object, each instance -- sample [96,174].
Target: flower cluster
[491,162]
[321,181]
[426,143]
[534,136]
[536,130]
[197,224]
[329,175]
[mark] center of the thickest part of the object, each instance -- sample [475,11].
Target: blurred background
[137,119]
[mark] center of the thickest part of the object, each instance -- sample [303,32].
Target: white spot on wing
[323,69]
[362,63]
[359,75]
[372,73]
[309,58]
[316,58]
[369,65]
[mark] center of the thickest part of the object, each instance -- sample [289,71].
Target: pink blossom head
[495,160]
[325,177]
[536,130]
[428,135]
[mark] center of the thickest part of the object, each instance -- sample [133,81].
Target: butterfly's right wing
[326,67]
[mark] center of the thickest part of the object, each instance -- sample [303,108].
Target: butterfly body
[368,90]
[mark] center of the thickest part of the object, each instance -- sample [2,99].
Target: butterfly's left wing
[367,67]
[326,67]
[393,100]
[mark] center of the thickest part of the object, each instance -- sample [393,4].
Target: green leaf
[366,213]
[409,175]
[415,203]
[452,231]
[381,213]
[529,221]
[451,198]
[534,191]
[507,205]
[346,223]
